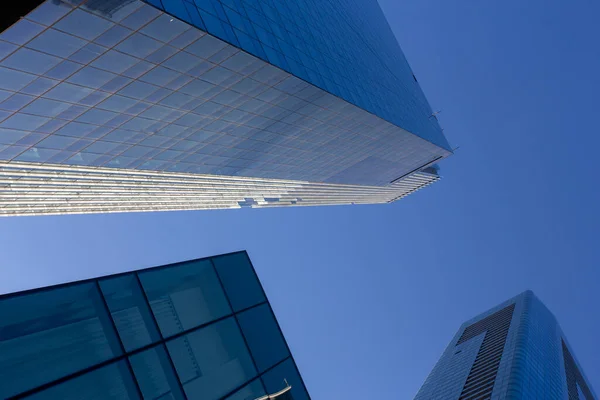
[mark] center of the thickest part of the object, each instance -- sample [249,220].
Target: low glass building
[200,329]
[515,351]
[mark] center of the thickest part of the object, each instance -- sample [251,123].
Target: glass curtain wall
[200,329]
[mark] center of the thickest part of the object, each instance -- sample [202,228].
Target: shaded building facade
[516,350]
[124,105]
[200,329]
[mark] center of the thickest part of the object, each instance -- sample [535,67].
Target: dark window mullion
[162,339]
[258,377]
[116,334]
[280,331]
[235,318]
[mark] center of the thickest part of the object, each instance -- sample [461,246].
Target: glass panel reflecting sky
[239,280]
[130,312]
[212,361]
[185,296]
[262,334]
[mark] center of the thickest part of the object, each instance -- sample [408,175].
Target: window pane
[212,361]
[282,375]
[111,382]
[239,280]
[185,296]
[251,391]
[47,335]
[155,375]
[263,336]
[130,311]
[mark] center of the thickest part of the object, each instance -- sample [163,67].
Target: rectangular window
[130,312]
[263,336]
[50,334]
[212,361]
[155,375]
[185,296]
[239,280]
[113,381]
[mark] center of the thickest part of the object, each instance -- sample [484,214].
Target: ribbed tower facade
[514,351]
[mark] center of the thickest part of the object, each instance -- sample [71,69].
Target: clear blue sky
[369,296]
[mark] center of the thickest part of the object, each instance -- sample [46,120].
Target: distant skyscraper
[200,329]
[121,105]
[514,351]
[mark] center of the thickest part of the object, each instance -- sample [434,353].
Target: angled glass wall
[200,329]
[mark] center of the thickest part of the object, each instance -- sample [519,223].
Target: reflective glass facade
[200,329]
[344,47]
[513,351]
[313,93]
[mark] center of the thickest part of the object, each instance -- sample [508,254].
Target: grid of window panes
[343,46]
[542,358]
[121,84]
[200,329]
[535,370]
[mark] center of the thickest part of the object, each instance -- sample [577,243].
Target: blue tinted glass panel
[185,296]
[24,122]
[212,361]
[83,24]
[37,155]
[140,17]
[239,280]
[264,337]
[130,311]
[138,45]
[39,86]
[251,391]
[112,382]
[49,12]
[11,136]
[286,372]
[14,102]
[47,335]
[30,61]
[154,374]
[56,43]
[21,32]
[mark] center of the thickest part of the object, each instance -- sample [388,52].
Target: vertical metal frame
[162,338]
[118,336]
[277,323]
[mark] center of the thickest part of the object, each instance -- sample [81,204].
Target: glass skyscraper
[200,329]
[514,351]
[124,105]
